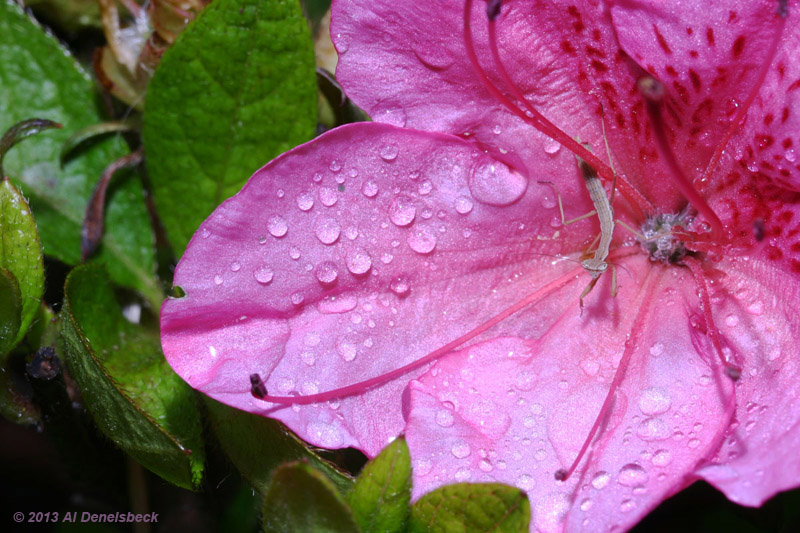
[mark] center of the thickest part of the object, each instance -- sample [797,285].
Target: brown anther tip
[733,373]
[758,230]
[561,475]
[257,387]
[651,88]
[493,9]
[783,8]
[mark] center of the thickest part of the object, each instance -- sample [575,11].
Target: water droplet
[497,130]
[402,211]
[263,275]
[551,146]
[654,401]
[327,230]
[425,187]
[262,239]
[324,435]
[236,266]
[627,506]
[601,479]
[399,286]
[732,321]
[297,298]
[347,350]
[358,261]
[485,466]
[444,418]
[460,450]
[277,226]
[632,474]
[396,116]
[586,504]
[662,458]
[205,233]
[422,241]
[525,482]
[422,467]
[435,55]
[462,475]
[389,152]
[294,253]
[327,273]
[308,358]
[657,349]
[335,166]
[493,183]
[305,201]
[317,177]
[218,280]
[328,196]
[369,188]
[339,303]
[463,204]
[652,429]
[550,511]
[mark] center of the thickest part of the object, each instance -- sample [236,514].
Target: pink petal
[565,58]
[710,55]
[422,253]
[759,456]
[517,409]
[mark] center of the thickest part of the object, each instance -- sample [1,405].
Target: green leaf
[257,446]
[38,78]
[10,311]
[236,89]
[380,497]
[20,254]
[468,507]
[130,390]
[302,499]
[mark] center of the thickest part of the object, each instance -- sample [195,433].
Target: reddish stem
[361,386]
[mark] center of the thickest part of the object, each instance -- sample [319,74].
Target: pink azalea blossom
[412,276]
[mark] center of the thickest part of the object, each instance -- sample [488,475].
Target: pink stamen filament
[361,386]
[652,91]
[552,131]
[630,347]
[711,328]
[740,115]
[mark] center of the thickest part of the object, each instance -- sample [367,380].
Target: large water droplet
[422,241]
[347,350]
[327,230]
[493,183]
[662,458]
[551,146]
[328,196]
[632,474]
[277,226]
[263,275]
[389,152]
[463,204]
[400,286]
[435,55]
[402,211]
[460,449]
[444,418]
[654,401]
[601,479]
[388,114]
[326,272]
[652,429]
[358,261]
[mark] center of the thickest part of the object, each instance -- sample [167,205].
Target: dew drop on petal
[654,401]
[358,261]
[335,166]
[631,475]
[369,188]
[347,350]
[399,286]
[463,204]
[492,182]
[460,450]
[402,211]
[549,512]
[422,241]
[263,275]
[294,253]
[662,458]
[444,418]
[236,266]
[324,435]
[328,196]
[305,201]
[551,146]
[339,303]
[389,152]
[317,177]
[327,230]
[434,55]
[601,479]
[326,272]
[297,298]
[218,280]
[277,226]
[422,467]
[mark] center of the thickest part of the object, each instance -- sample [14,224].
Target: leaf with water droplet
[136,400]
[382,492]
[302,499]
[472,507]
[237,88]
[39,78]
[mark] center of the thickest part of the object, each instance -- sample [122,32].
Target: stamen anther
[257,386]
[493,9]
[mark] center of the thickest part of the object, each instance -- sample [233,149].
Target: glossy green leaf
[257,446]
[21,255]
[10,311]
[132,393]
[302,499]
[39,79]
[236,89]
[380,497]
[475,508]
